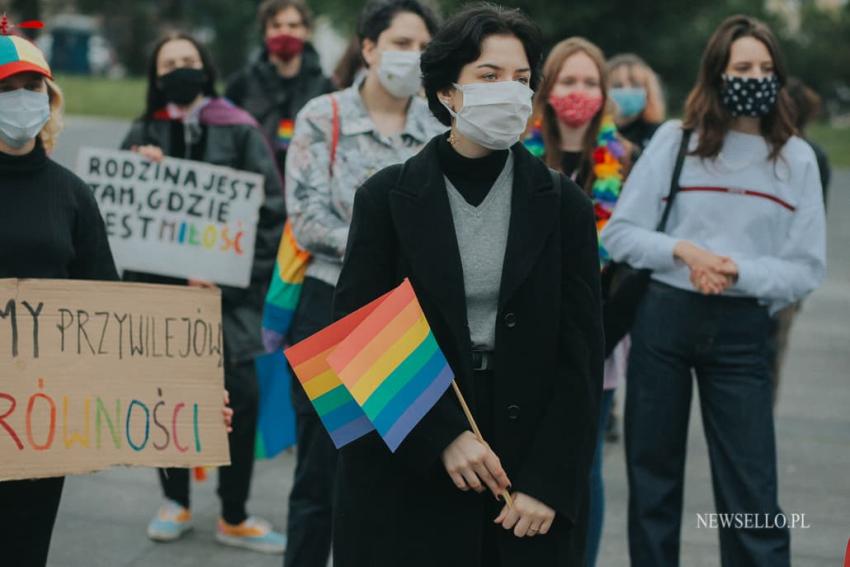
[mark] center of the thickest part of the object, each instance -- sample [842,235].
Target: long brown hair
[543,112]
[704,109]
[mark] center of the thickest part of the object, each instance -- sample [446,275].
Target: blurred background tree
[669,34]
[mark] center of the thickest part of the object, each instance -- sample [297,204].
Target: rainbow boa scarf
[607,171]
[608,174]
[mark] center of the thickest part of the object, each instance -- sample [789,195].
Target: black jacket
[242,147]
[260,90]
[402,508]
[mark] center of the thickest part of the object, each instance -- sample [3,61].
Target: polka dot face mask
[749,96]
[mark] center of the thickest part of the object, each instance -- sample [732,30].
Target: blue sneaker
[170,523]
[254,534]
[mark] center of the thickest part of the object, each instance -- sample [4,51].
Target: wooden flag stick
[505,494]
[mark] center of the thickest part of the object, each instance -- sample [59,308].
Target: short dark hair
[271,8]
[378,15]
[155,96]
[459,42]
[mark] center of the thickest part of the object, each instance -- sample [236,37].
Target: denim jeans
[723,340]
[597,488]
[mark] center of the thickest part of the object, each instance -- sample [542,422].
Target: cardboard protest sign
[95,374]
[176,217]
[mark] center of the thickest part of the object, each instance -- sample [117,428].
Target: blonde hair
[641,73]
[50,132]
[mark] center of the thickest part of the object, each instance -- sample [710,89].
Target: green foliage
[835,142]
[99,96]
[669,34]
[820,54]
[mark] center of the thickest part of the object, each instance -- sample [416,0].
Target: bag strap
[674,182]
[334,132]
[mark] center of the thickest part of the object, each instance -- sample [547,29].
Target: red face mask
[575,109]
[285,46]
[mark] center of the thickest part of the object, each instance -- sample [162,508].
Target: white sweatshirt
[768,216]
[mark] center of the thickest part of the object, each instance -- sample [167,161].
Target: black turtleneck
[50,226]
[573,166]
[473,177]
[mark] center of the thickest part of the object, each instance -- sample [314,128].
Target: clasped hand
[710,274]
[472,465]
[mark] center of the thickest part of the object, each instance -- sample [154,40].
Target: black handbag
[623,286]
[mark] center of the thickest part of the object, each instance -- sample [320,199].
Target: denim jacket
[320,195]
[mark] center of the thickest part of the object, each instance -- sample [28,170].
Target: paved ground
[103,516]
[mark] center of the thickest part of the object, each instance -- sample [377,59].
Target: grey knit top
[482,236]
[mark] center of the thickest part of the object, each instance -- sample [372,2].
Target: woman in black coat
[502,254]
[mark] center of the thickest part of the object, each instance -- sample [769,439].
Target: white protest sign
[176,217]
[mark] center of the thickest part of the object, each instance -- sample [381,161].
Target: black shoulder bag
[623,286]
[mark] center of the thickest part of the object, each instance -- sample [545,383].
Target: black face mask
[748,96]
[182,86]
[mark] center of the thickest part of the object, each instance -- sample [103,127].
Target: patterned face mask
[575,109]
[749,96]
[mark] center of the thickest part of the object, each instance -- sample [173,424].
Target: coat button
[513,412]
[510,320]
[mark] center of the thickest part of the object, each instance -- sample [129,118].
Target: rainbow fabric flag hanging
[275,415]
[387,360]
[284,290]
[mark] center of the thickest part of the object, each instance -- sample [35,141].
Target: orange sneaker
[254,534]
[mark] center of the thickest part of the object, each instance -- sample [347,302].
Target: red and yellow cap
[19,55]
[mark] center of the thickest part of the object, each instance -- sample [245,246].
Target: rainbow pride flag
[275,415]
[340,414]
[284,290]
[285,131]
[387,360]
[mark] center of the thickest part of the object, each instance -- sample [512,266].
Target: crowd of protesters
[563,238]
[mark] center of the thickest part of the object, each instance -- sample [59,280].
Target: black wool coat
[402,509]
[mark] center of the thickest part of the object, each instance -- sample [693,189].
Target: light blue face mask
[630,100]
[23,113]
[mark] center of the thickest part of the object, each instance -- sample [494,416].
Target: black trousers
[27,514]
[724,341]
[234,481]
[309,524]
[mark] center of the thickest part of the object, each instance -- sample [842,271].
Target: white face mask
[23,113]
[399,73]
[494,115]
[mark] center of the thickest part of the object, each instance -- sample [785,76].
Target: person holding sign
[340,141]
[50,227]
[502,255]
[185,119]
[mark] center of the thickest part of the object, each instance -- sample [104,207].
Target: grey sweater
[482,236]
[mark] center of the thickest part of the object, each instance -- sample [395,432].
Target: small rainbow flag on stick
[340,414]
[392,365]
[380,369]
